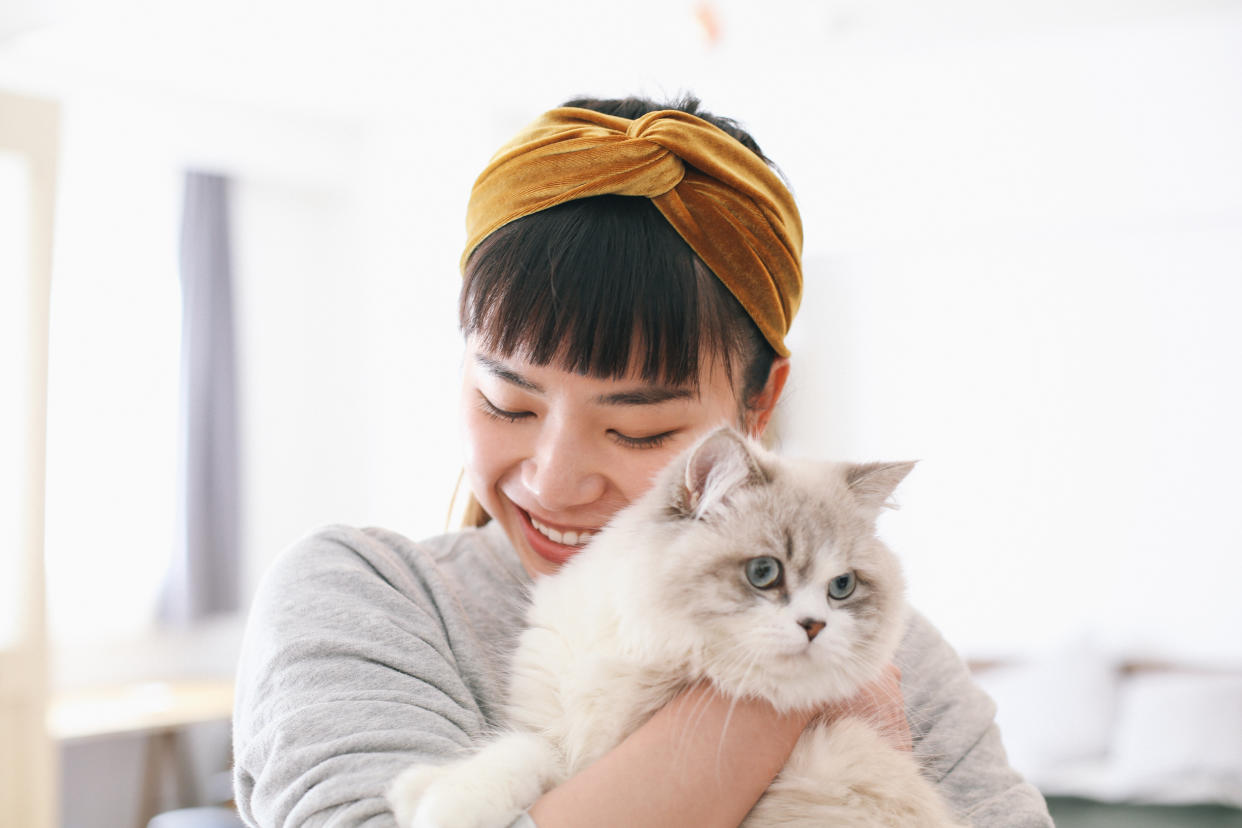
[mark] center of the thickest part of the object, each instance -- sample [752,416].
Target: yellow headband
[728,205]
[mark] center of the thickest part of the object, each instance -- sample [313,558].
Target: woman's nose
[562,472]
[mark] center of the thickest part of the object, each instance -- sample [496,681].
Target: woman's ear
[764,403]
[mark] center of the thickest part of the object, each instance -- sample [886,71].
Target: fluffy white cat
[759,573]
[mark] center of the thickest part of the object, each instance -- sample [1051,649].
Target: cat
[760,573]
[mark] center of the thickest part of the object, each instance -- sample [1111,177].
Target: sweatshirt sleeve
[347,676]
[952,721]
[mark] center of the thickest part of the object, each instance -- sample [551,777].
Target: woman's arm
[354,668]
[702,760]
[348,674]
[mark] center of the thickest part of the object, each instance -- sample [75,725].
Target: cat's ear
[872,484]
[720,465]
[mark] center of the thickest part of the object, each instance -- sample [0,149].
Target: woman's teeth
[564,538]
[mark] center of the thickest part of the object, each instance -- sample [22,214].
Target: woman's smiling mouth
[566,538]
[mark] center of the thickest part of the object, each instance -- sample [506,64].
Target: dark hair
[591,284]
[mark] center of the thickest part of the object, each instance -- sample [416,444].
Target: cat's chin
[789,698]
[797,686]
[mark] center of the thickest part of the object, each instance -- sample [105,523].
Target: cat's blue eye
[764,572]
[842,586]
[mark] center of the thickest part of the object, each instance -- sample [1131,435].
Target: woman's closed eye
[496,412]
[650,442]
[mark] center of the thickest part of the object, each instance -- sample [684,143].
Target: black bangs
[599,286]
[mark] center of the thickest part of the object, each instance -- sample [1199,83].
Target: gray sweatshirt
[366,652]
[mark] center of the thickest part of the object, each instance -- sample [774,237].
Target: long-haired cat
[759,573]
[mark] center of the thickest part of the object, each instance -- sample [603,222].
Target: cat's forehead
[803,519]
[789,507]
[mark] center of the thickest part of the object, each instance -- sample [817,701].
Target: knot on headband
[729,206]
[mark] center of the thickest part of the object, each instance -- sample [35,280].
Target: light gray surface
[197,818]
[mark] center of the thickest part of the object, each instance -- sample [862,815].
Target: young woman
[630,273]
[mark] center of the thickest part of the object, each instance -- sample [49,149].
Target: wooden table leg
[166,753]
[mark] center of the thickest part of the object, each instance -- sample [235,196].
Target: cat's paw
[407,790]
[488,790]
[457,807]
[454,796]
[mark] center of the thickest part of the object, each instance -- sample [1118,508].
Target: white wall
[1025,262]
[14,264]
[114,385]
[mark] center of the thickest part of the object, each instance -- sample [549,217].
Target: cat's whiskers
[691,725]
[739,652]
[733,700]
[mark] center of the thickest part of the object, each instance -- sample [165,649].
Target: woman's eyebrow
[645,396]
[504,372]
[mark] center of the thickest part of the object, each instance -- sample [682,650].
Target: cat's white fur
[660,600]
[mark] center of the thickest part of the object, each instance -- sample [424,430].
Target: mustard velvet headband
[728,205]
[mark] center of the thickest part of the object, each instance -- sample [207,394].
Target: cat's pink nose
[812,627]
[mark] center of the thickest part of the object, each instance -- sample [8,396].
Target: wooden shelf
[138,708]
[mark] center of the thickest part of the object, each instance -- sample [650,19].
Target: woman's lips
[554,551]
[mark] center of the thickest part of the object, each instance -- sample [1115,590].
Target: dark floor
[1082,813]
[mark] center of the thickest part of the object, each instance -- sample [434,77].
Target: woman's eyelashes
[652,441]
[497,413]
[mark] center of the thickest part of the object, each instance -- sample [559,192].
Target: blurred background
[229,236]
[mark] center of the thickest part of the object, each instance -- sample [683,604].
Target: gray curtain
[204,574]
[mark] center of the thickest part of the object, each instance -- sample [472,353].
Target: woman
[630,274]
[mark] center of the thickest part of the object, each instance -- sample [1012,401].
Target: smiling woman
[631,271]
[626,341]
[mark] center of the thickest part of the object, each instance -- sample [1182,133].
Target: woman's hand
[881,704]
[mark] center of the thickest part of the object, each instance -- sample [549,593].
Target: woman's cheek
[483,443]
[643,467]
